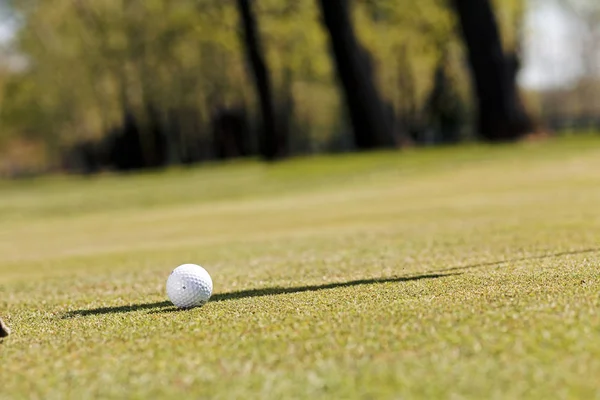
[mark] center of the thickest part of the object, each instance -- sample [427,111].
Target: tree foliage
[176,68]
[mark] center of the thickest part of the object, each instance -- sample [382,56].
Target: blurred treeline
[88,85]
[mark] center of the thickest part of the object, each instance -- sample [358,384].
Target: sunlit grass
[457,272]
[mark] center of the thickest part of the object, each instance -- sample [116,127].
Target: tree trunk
[271,145]
[369,116]
[501,115]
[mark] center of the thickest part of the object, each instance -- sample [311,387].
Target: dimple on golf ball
[189,285]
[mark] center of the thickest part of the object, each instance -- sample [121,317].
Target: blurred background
[116,85]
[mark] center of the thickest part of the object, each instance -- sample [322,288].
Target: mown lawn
[468,272]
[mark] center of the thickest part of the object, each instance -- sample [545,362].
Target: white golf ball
[189,285]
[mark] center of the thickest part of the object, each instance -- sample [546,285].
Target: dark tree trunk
[501,115]
[271,145]
[126,152]
[368,113]
[443,108]
[157,139]
[229,133]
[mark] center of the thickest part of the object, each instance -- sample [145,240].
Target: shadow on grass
[517,259]
[166,306]
[117,310]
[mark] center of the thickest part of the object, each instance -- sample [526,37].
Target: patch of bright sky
[6,33]
[7,27]
[552,48]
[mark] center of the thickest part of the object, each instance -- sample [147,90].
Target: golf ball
[189,285]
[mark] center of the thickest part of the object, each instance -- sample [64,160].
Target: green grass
[468,272]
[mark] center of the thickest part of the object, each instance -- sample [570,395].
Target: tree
[369,115]
[271,146]
[501,115]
